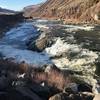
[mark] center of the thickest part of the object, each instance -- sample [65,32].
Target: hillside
[30,10]
[6,11]
[70,10]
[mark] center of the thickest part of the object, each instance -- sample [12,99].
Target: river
[13,43]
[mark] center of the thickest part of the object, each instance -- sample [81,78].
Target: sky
[18,4]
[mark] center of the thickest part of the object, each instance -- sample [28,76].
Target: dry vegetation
[53,78]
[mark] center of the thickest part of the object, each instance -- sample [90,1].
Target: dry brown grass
[57,79]
[38,75]
[53,78]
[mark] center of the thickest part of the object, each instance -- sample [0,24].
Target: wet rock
[97,97]
[83,87]
[66,96]
[40,43]
[72,88]
[41,89]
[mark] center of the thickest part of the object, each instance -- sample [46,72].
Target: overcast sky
[18,4]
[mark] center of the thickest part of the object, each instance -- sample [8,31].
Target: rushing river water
[13,43]
[74,47]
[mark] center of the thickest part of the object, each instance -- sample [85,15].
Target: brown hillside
[30,10]
[70,10]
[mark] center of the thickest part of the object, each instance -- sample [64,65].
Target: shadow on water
[89,39]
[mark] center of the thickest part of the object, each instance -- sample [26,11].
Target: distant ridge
[6,11]
[30,9]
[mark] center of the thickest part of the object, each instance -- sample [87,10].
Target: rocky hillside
[70,10]
[30,9]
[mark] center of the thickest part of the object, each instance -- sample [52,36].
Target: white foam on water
[40,26]
[74,55]
[71,28]
[60,47]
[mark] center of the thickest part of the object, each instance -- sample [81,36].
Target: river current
[13,43]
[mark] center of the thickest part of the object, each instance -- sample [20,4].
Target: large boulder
[97,97]
[40,43]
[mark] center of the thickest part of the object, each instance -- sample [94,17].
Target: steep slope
[70,10]
[30,9]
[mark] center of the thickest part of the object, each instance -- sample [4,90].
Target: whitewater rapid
[13,46]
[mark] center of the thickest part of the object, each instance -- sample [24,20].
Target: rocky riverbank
[9,20]
[21,81]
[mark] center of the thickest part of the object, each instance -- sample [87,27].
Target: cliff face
[70,10]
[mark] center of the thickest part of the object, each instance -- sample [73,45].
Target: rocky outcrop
[70,10]
[97,97]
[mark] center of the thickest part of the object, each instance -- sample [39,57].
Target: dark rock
[12,94]
[39,44]
[4,83]
[26,92]
[71,88]
[41,89]
[84,88]
[66,96]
